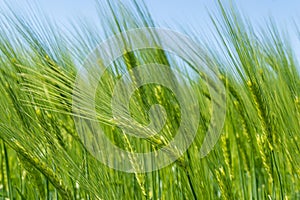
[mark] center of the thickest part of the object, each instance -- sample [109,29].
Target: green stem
[10,191]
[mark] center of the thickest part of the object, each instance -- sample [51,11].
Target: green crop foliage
[43,157]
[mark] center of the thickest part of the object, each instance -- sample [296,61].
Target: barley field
[43,156]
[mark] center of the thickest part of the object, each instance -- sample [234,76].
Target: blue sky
[184,12]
